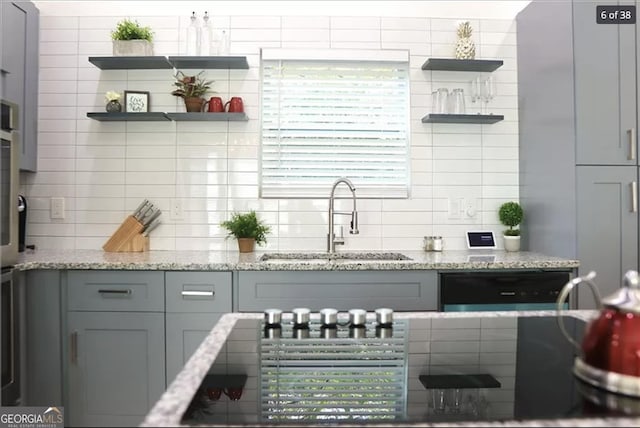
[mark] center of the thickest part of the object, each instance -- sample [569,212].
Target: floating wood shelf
[162,116]
[463,118]
[168,62]
[452,64]
[469,381]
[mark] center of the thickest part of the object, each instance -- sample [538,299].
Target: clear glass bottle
[224,43]
[205,36]
[193,36]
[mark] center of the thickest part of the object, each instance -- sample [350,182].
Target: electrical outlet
[176,212]
[57,208]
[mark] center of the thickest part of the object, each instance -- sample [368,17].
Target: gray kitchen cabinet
[398,290]
[43,315]
[194,303]
[608,247]
[605,88]
[578,146]
[19,72]
[116,346]
[116,366]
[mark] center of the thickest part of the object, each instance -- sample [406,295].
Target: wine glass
[488,91]
[475,89]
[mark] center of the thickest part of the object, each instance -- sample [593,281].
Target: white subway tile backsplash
[104,169]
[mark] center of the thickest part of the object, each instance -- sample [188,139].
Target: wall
[104,170]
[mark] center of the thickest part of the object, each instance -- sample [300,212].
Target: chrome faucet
[332,241]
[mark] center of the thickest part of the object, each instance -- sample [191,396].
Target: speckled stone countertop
[172,404]
[278,261]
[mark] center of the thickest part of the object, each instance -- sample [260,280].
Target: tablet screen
[481,239]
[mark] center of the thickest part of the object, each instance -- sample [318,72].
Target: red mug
[215,105]
[233,393]
[235,105]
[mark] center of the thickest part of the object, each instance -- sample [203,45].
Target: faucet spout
[331,239]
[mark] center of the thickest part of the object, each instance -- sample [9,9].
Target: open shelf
[162,116]
[452,64]
[207,117]
[463,118]
[163,62]
[129,117]
[462,381]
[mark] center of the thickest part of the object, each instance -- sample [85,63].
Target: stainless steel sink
[325,257]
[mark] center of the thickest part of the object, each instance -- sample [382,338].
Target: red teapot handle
[563,297]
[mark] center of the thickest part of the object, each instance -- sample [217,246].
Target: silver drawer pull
[198,293]
[634,196]
[127,291]
[507,293]
[632,144]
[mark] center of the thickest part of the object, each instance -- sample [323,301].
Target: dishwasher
[501,291]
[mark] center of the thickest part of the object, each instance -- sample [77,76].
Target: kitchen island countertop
[234,261]
[176,399]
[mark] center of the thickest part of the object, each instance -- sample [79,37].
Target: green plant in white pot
[511,214]
[132,39]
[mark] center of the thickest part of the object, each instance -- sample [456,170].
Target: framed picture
[136,101]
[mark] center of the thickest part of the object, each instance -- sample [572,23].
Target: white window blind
[334,379]
[325,119]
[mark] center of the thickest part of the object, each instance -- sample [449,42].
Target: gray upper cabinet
[605,88]
[401,291]
[19,71]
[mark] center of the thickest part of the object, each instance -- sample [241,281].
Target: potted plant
[247,229]
[510,214]
[131,39]
[191,89]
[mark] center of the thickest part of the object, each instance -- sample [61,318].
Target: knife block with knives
[133,233]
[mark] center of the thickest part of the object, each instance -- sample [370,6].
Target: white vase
[132,48]
[511,243]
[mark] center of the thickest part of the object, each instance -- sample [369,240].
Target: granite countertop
[172,404]
[341,261]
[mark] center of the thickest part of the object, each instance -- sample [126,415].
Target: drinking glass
[440,100]
[475,89]
[456,102]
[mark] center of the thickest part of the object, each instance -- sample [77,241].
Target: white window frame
[367,185]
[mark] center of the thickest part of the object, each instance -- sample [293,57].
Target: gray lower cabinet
[194,303]
[116,367]
[607,227]
[43,325]
[398,290]
[116,346]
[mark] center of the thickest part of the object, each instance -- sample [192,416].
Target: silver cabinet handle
[127,291]
[634,196]
[632,143]
[198,293]
[74,347]
[507,293]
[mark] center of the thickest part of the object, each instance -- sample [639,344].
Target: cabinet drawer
[140,291]
[198,291]
[400,291]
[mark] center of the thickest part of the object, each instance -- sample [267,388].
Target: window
[344,115]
